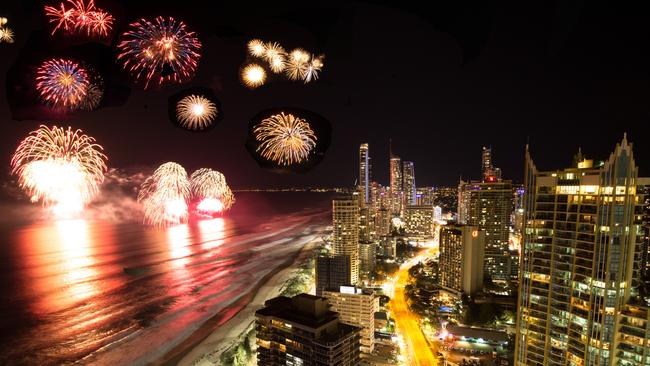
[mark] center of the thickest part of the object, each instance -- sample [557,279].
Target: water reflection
[212,232]
[60,256]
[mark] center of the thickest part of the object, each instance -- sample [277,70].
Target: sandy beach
[217,334]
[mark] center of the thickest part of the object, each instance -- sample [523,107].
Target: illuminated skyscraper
[489,208]
[425,196]
[345,236]
[396,189]
[463,202]
[419,221]
[461,259]
[580,265]
[486,165]
[409,183]
[364,173]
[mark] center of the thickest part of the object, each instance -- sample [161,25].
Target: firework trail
[61,168]
[210,189]
[164,195]
[161,49]
[80,17]
[285,139]
[196,112]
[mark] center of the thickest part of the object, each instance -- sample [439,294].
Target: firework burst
[285,139]
[162,49]
[313,68]
[210,189]
[295,69]
[62,83]
[80,16]
[196,112]
[94,94]
[6,35]
[164,195]
[253,76]
[61,168]
[256,48]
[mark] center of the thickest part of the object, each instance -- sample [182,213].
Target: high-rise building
[366,224]
[632,346]
[332,272]
[580,264]
[486,166]
[387,247]
[644,187]
[490,205]
[463,202]
[419,221]
[461,259]
[303,331]
[367,257]
[382,222]
[437,213]
[425,196]
[410,195]
[396,189]
[345,236]
[356,307]
[364,173]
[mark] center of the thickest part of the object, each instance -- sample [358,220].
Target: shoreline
[219,332]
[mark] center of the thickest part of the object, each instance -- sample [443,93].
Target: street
[416,348]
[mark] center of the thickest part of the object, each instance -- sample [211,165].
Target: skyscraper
[345,236]
[332,272]
[461,259]
[364,173]
[303,331]
[396,191]
[356,307]
[419,221]
[410,195]
[490,205]
[580,264]
[463,202]
[486,166]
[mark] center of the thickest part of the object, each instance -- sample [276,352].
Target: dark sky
[441,81]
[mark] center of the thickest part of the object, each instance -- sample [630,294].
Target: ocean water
[103,292]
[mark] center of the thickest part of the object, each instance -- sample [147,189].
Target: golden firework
[196,112]
[6,35]
[62,168]
[273,50]
[253,75]
[313,68]
[285,139]
[256,48]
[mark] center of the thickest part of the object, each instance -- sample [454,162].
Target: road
[416,347]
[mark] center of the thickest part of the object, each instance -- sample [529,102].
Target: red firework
[80,17]
[162,50]
[62,83]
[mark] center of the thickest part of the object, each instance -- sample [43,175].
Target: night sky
[441,81]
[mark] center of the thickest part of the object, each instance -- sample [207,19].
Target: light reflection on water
[78,286]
